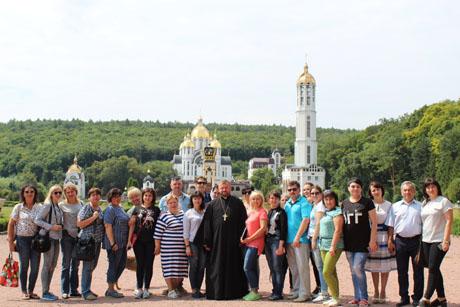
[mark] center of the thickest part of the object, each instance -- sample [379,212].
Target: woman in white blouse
[437,217]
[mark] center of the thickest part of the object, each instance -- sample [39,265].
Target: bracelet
[111,246]
[187,245]
[446,242]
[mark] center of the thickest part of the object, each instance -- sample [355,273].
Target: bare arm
[303,227]
[338,225]
[131,224]
[373,242]
[259,233]
[449,216]
[109,233]
[314,238]
[391,244]
[11,224]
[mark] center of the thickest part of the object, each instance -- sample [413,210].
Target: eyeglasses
[201,182]
[292,189]
[57,192]
[29,192]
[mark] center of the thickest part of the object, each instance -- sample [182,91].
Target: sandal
[34,296]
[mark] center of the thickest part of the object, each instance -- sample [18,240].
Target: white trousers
[298,261]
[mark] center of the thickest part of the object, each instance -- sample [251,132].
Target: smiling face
[94,198]
[135,199]
[29,195]
[147,199]
[71,195]
[273,201]
[225,189]
[376,192]
[432,191]
[316,195]
[329,203]
[176,187]
[408,192]
[355,190]
[173,205]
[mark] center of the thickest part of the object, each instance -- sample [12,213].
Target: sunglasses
[292,189]
[57,192]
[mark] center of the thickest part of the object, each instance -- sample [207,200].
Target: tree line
[411,147]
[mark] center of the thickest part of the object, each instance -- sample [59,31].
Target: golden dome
[74,168]
[306,77]
[215,143]
[187,142]
[200,131]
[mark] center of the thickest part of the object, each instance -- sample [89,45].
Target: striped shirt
[169,230]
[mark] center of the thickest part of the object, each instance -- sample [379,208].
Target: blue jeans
[117,264]
[69,274]
[319,265]
[27,256]
[277,265]
[87,272]
[357,260]
[197,264]
[251,264]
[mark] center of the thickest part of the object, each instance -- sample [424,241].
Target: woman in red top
[253,241]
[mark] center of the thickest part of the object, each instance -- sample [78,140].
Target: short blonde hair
[133,191]
[72,186]
[257,194]
[170,197]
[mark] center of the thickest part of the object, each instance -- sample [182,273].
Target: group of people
[219,238]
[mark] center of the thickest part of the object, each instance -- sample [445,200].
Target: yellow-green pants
[330,273]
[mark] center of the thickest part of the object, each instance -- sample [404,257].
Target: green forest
[411,147]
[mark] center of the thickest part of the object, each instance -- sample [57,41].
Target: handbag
[42,242]
[9,274]
[85,248]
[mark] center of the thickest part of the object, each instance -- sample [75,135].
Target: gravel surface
[11,296]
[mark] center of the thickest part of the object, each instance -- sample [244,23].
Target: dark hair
[247,190]
[294,182]
[317,187]
[201,177]
[31,186]
[196,195]
[94,191]
[112,193]
[376,185]
[274,193]
[149,190]
[431,181]
[328,194]
[176,178]
[309,183]
[355,180]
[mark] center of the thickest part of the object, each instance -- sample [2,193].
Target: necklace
[225,215]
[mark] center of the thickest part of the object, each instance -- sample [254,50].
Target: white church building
[305,168]
[201,155]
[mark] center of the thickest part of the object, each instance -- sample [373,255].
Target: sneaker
[65,296]
[165,292]
[302,299]
[252,296]
[146,294]
[113,293]
[326,302]
[333,302]
[49,297]
[90,297]
[363,303]
[138,293]
[93,293]
[275,297]
[320,297]
[173,294]
[293,296]
[181,291]
[316,291]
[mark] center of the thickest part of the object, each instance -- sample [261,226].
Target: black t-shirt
[357,227]
[145,222]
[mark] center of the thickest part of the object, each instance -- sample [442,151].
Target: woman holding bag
[90,221]
[50,218]
[22,219]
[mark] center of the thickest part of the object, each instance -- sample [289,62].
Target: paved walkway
[11,296]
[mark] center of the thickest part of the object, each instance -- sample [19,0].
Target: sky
[227,61]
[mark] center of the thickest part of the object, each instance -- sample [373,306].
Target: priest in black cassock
[224,224]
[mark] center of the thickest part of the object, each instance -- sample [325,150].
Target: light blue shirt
[296,212]
[406,219]
[184,201]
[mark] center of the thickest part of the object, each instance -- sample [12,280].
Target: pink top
[253,224]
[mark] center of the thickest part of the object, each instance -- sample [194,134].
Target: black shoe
[316,291]
[424,303]
[417,303]
[403,303]
[75,294]
[275,297]
[197,295]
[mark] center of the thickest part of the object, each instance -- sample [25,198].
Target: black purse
[86,247]
[42,243]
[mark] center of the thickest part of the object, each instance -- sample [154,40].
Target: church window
[301,100]
[308,126]
[308,154]
[308,100]
[316,178]
[309,178]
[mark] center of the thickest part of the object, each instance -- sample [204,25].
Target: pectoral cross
[225,216]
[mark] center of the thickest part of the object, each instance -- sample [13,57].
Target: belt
[408,238]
